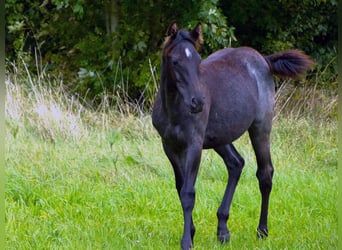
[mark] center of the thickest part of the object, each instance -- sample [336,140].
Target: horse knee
[236,168]
[265,176]
[187,199]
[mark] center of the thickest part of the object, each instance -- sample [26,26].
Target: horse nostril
[194,101]
[198,101]
[196,105]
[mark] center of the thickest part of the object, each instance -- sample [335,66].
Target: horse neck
[170,99]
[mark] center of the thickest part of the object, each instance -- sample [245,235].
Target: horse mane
[172,40]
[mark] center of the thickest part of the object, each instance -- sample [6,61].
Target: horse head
[180,67]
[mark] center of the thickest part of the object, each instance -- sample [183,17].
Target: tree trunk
[112,16]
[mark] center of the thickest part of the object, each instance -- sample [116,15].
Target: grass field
[89,180]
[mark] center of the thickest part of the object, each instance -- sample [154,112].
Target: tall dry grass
[305,101]
[39,103]
[314,98]
[32,102]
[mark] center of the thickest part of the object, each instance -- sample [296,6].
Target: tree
[273,25]
[88,41]
[108,45]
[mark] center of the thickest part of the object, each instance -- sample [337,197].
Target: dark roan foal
[209,103]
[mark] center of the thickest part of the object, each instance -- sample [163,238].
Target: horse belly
[228,122]
[222,135]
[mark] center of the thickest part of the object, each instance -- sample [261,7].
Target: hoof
[262,233]
[224,238]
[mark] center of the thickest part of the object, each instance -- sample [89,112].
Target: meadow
[84,178]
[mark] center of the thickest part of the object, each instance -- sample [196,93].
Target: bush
[112,46]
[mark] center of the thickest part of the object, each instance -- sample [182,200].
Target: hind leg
[260,137]
[234,163]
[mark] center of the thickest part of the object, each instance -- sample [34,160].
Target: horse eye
[174,62]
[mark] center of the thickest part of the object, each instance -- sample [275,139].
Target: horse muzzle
[196,105]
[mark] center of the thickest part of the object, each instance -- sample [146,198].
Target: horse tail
[289,63]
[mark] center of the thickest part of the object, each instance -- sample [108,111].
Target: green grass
[79,178]
[117,192]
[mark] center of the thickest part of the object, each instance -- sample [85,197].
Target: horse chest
[179,130]
[175,135]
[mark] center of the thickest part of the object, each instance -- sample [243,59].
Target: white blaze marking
[188,53]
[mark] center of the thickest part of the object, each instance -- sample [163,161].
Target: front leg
[192,158]
[178,161]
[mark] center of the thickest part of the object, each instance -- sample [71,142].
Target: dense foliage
[112,45]
[273,25]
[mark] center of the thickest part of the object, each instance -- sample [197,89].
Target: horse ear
[173,28]
[196,34]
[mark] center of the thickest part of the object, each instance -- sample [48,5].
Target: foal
[209,103]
